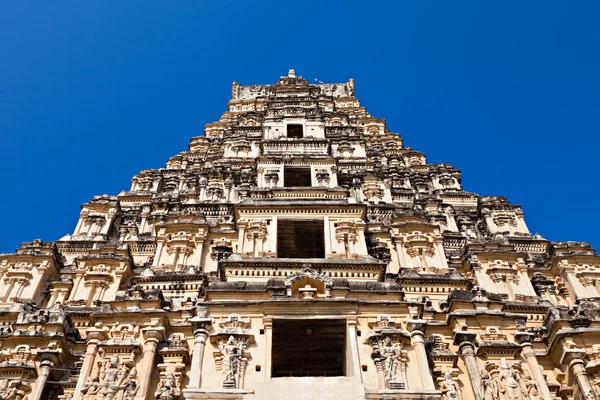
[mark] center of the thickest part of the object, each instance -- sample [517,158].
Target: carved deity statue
[489,390]
[167,389]
[391,357]
[531,387]
[131,386]
[449,388]
[511,385]
[232,352]
[112,380]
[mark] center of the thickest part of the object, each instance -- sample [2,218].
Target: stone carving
[531,387]
[112,380]
[231,360]
[449,388]
[511,385]
[390,360]
[131,385]
[14,389]
[489,388]
[167,389]
[190,243]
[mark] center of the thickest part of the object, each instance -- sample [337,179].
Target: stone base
[389,394]
[216,394]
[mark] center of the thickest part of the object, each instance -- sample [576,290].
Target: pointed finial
[292,73]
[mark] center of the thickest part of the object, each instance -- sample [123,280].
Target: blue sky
[93,92]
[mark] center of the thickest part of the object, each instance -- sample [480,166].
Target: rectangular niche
[308,347]
[296,177]
[300,238]
[295,131]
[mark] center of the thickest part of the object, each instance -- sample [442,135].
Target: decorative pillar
[47,361]
[525,339]
[577,367]
[465,342]
[152,337]
[417,333]
[94,337]
[574,358]
[200,326]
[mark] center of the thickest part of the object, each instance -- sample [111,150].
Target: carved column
[466,348]
[577,367]
[417,333]
[199,325]
[47,361]
[574,358]
[94,337]
[528,353]
[152,336]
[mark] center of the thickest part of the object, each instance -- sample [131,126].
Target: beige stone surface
[396,283]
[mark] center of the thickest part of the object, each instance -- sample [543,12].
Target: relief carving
[390,360]
[167,389]
[112,379]
[14,389]
[449,388]
[231,359]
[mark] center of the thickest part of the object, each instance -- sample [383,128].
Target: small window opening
[294,131]
[300,239]
[296,177]
[308,347]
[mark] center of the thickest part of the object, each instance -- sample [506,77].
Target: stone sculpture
[449,388]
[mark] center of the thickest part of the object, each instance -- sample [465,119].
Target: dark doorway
[300,239]
[308,347]
[295,131]
[296,177]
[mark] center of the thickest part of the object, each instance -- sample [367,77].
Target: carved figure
[449,388]
[596,386]
[112,381]
[531,387]
[131,385]
[489,390]
[231,356]
[13,390]
[511,385]
[167,388]
[391,355]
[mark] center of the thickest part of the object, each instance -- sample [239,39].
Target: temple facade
[298,250]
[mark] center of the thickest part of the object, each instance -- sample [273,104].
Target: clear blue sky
[93,92]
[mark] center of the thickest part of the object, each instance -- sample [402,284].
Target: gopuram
[298,250]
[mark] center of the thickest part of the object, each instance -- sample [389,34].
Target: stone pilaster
[525,340]
[94,337]
[200,326]
[575,359]
[466,346]
[417,335]
[47,361]
[152,337]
